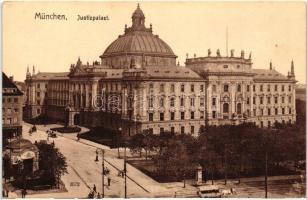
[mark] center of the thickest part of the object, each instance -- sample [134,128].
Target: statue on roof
[232,53]
[242,54]
[209,52]
[218,54]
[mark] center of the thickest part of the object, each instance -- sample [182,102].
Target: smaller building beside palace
[12,102]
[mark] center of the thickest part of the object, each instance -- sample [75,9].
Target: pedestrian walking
[23,193]
[78,136]
[109,181]
[94,188]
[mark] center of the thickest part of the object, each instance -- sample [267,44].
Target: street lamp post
[98,150]
[125,171]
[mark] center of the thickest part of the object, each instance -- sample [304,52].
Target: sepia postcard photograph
[153,99]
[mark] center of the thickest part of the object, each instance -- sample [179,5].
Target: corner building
[137,85]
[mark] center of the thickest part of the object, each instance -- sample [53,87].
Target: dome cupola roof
[138,40]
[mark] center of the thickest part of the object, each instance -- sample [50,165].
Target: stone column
[87,102]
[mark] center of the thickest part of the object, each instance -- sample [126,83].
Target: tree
[150,141]
[136,143]
[119,140]
[173,160]
[52,162]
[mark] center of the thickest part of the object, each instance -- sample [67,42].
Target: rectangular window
[161,116]
[289,98]
[172,88]
[201,102]
[38,111]
[150,117]
[172,116]
[226,88]
[172,130]
[38,85]
[192,115]
[289,88]
[15,100]
[182,88]
[269,100]
[282,111]
[261,88]
[9,100]
[282,88]
[269,123]
[261,100]
[254,100]
[276,111]
[192,129]
[202,113]
[213,114]
[162,88]
[276,88]
[38,94]
[192,102]
[182,129]
[276,100]
[290,111]
[254,111]
[269,111]
[254,88]
[213,101]
[247,101]
[247,88]
[201,88]
[282,99]
[181,101]
[161,130]
[182,115]
[261,112]
[261,124]
[269,88]
[192,88]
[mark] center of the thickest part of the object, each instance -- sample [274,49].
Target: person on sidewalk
[78,136]
[94,188]
[109,181]
[98,196]
[23,193]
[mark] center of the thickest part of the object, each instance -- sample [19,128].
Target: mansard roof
[270,75]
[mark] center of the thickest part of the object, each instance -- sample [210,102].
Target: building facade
[12,101]
[137,85]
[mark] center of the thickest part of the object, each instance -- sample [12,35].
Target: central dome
[138,43]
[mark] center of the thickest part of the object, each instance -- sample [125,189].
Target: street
[84,173]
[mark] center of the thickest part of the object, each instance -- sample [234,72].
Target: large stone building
[137,85]
[12,101]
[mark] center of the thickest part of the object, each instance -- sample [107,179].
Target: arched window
[225,108]
[239,106]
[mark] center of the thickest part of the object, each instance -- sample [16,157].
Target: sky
[273,31]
